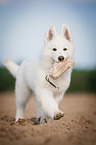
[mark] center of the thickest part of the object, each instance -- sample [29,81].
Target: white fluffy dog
[30,76]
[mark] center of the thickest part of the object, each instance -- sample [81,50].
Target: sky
[23,24]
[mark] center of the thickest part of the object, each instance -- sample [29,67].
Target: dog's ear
[51,33]
[65,32]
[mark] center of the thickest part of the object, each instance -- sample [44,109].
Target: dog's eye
[54,49]
[65,49]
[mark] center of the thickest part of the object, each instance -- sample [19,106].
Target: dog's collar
[47,79]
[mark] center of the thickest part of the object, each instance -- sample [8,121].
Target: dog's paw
[43,119]
[58,115]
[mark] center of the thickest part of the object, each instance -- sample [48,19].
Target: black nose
[61,58]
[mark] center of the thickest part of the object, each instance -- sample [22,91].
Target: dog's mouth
[55,61]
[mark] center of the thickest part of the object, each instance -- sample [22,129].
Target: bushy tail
[11,66]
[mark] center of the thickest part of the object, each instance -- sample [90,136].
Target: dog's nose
[61,58]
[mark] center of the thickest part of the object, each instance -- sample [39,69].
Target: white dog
[30,76]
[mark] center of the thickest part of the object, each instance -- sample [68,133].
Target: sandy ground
[77,127]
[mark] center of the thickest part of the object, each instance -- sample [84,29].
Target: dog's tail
[11,66]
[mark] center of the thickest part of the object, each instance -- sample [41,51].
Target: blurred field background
[82,81]
[23,24]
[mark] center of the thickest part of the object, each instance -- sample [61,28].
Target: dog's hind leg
[23,94]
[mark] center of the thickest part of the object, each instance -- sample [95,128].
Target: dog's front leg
[48,105]
[39,111]
[58,97]
[41,117]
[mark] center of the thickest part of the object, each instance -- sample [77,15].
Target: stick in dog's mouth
[58,69]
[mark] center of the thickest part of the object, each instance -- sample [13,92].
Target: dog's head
[58,47]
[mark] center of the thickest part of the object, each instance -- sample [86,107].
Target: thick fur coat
[30,76]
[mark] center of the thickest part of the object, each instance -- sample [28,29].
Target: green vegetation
[7,81]
[82,81]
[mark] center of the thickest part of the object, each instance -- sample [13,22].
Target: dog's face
[58,47]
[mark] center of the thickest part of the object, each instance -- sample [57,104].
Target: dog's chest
[62,82]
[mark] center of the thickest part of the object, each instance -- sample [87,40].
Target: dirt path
[77,127]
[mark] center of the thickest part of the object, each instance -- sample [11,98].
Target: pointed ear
[51,33]
[65,32]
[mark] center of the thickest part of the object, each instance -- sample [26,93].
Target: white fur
[30,76]
[12,67]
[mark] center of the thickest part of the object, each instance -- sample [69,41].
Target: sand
[77,127]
